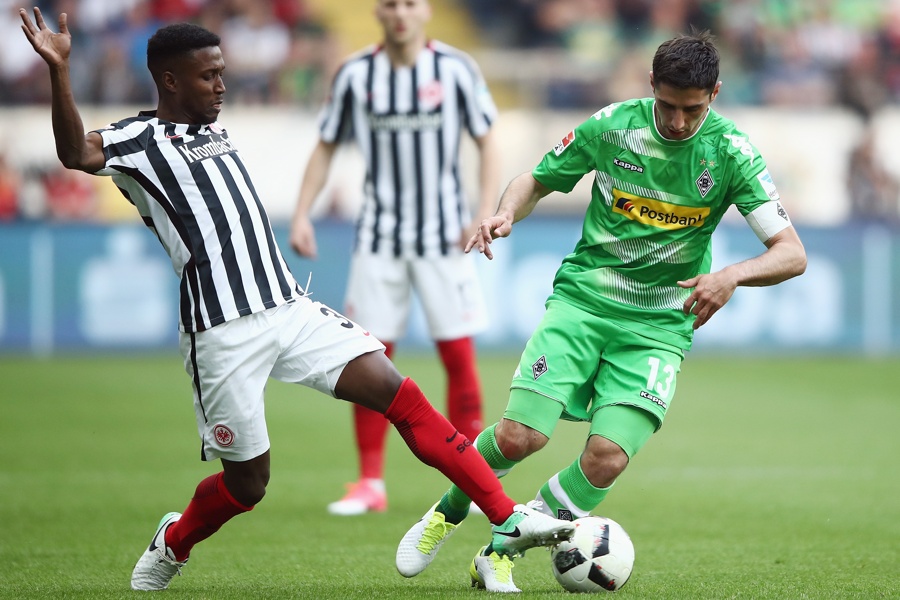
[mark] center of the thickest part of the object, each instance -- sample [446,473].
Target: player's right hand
[53,47]
[303,237]
[490,229]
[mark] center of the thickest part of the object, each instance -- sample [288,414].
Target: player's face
[403,21]
[679,112]
[199,88]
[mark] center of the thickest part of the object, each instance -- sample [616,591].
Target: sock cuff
[408,396]
[220,486]
[487,446]
[573,478]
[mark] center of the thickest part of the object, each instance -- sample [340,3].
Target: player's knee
[247,481]
[603,461]
[517,441]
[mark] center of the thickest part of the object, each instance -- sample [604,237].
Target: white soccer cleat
[157,566]
[421,543]
[492,573]
[528,527]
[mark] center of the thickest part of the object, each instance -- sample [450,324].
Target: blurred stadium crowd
[582,54]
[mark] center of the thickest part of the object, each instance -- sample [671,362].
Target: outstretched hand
[490,229]
[54,48]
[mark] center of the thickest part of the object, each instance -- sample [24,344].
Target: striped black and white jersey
[191,188]
[408,123]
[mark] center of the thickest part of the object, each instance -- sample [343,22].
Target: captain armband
[768,219]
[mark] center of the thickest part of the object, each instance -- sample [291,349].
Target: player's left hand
[711,292]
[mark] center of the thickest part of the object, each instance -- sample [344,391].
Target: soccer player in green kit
[626,301]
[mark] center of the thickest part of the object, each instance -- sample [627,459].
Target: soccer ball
[600,556]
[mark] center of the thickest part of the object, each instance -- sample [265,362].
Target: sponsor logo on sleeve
[768,185]
[566,141]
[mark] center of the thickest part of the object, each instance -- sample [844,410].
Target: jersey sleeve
[335,118]
[121,142]
[570,159]
[755,195]
[478,104]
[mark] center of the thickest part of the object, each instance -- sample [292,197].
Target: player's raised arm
[521,196]
[74,149]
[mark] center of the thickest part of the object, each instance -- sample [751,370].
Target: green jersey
[654,206]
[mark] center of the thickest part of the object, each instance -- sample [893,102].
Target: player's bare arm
[783,259]
[303,234]
[521,196]
[489,183]
[74,149]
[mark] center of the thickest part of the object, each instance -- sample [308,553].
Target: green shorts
[579,363]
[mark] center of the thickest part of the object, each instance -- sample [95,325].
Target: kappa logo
[628,166]
[653,399]
[540,367]
[743,146]
[566,141]
[224,436]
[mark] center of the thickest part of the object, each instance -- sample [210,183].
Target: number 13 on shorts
[660,377]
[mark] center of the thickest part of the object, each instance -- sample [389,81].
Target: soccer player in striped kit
[243,317]
[406,103]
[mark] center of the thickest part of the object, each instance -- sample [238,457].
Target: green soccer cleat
[526,528]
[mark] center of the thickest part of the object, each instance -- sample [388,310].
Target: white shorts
[379,292]
[301,342]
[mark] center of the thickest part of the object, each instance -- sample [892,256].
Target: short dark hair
[687,61]
[174,41]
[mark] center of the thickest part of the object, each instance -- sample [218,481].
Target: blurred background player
[626,301]
[405,102]
[243,317]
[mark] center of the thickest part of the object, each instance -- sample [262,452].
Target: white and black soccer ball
[599,557]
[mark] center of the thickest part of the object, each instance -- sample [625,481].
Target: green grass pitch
[771,479]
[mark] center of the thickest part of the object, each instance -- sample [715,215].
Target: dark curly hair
[687,61]
[174,41]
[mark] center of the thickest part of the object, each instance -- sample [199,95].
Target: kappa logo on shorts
[224,436]
[540,367]
[648,396]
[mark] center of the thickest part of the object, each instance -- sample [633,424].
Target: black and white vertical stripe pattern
[408,123]
[191,188]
